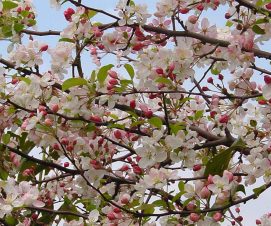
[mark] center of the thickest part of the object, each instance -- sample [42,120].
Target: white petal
[267,91]
[38,203]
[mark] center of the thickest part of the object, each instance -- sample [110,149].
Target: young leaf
[6,138]
[71,82]
[102,74]
[220,162]
[156,121]
[258,30]
[130,70]
[7,5]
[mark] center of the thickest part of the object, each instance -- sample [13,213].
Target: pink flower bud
[267,78]
[111,216]
[184,10]
[70,148]
[205,88]
[217,216]
[220,77]
[262,102]
[210,80]
[125,199]
[137,169]
[212,114]
[229,175]
[200,7]
[27,172]
[191,206]
[66,164]
[95,118]
[197,167]
[239,218]
[205,193]
[171,67]
[148,113]
[56,146]
[113,74]
[210,179]
[159,71]
[192,19]
[268,6]
[117,134]
[132,104]
[224,118]
[194,217]
[113,81]
[55,108]
[48,122]
[64,141]
[68,14]
[227,15]
[124,168]
[43,48]
[138,47]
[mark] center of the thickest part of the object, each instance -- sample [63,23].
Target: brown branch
[94,9]
[41,162]
[41,33]
[55,178]
[202,38]
[58,212]
[254,8]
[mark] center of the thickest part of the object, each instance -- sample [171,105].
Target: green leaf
[71,82]
[198,115]
[163,80]
[25,13]
[7,5]
[90,127]
[45,128]
[262,21]
[259,3]
[102,74]
[229,23]
[116,125]
[159,202]
[259,190]
[25,164]
[25,145]
[241,188]
[175,128]
[91,13]
[18,27]
[125,82]
[6,138]
[253,123]
[181,186]
[11,221]
[147,208]
[220,162]
[156,121]
[130,70]
[93,76]
[215,71]
[258,30]
[66,40]
[68,206]
[26,80]
[3,174]
[31,22]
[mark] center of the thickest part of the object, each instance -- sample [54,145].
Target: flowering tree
[175,132]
